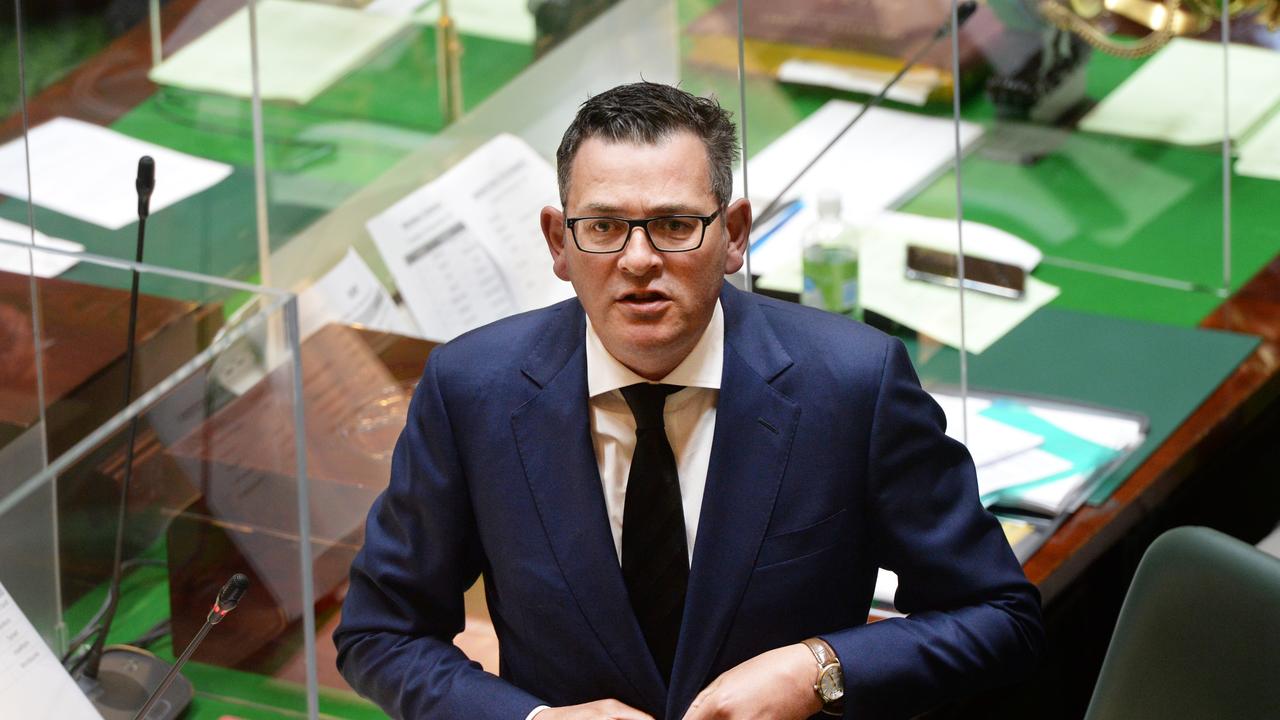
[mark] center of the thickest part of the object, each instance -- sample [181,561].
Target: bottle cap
[829,203]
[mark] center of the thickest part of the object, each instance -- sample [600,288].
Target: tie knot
[646,401]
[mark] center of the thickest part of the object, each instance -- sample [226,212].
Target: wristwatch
[830,683]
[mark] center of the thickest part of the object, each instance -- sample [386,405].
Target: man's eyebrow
[677,209]
[664,209]
[601,208]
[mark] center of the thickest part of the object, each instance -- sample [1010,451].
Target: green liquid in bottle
[831,279]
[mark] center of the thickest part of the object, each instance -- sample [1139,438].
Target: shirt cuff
[536,710]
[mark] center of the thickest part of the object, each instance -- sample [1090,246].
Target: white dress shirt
[689,416]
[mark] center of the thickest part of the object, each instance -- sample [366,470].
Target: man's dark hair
[648,113]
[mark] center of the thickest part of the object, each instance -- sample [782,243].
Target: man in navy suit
[677,493]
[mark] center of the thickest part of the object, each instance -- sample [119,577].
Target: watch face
[831,684]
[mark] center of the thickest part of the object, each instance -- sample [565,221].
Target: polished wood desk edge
[1252,387]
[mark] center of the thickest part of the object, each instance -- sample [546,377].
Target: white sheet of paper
[1053,498]
[508,20]
[990,441]
[886,586]
[88,172]
[913,88]
[1024,467]
[1260,152]
[1177,96]
[879,163]
[349,293]
[33,684]
[1110,431]
[303,48]
[466,249]
[20,260]
[932,309]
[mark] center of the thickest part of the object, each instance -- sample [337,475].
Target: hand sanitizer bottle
[830,248]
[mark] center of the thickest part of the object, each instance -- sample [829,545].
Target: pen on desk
[783,213]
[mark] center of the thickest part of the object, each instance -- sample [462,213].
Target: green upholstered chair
[1198,636]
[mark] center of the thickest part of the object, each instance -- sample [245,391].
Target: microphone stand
[116,680]
[227,600]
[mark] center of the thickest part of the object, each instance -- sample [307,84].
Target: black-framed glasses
[666,233]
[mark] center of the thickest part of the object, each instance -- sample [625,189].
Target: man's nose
[639,258]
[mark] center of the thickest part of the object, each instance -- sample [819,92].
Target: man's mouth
[644,299]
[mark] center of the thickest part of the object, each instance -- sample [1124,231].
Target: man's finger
[618,710]
[698,710]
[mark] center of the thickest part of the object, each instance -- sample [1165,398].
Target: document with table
[466,249]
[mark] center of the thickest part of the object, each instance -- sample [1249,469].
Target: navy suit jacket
[828,461]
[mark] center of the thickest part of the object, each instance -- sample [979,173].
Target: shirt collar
[700,368]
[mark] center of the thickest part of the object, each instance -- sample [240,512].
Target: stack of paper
[349,293]
[303,48]
[913,88]
[1038,455]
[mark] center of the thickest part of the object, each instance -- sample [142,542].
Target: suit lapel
[755,425]
[553,437]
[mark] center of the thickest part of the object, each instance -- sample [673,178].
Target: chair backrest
[1198,636]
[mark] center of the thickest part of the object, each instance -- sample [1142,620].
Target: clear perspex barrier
[211,445]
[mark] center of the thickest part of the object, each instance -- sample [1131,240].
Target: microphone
[228,598]
[145,184]
[964,11]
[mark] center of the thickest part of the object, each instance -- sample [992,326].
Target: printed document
[349,293]
[33,684]
[88,172]
[466,248]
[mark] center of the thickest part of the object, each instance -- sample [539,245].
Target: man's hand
[777,685]
[598,710]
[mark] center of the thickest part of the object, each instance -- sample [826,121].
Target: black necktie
[655,556]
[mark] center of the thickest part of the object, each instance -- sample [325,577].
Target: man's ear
[553,230]
[737,223]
